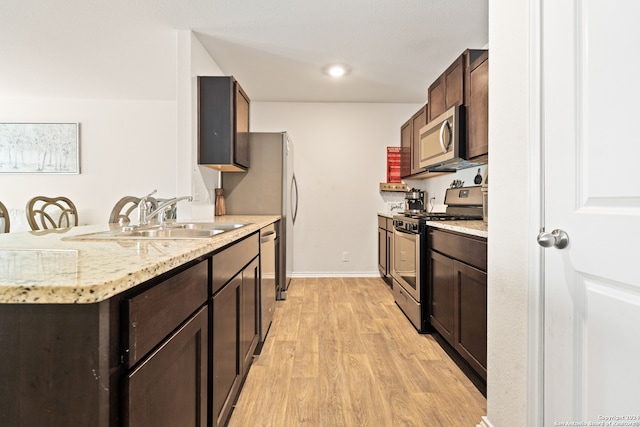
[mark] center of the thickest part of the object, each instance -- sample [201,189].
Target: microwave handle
[443,145]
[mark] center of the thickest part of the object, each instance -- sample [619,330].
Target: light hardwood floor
[341,353]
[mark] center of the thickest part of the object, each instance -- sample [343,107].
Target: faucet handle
[143,208]
[149,195]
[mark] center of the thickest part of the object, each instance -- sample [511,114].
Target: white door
[591,128]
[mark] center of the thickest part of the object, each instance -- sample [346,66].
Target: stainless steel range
[409,261]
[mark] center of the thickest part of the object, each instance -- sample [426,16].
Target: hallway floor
[341,353]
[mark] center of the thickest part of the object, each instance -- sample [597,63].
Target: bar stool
[51,212]
[120,214]
[5,223]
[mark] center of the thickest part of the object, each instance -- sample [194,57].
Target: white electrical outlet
[345,256]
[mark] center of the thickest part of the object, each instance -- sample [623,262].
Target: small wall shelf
[393,186]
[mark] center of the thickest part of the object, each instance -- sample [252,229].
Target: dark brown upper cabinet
[405,149]
[448,89]
[465,82]
[477,103]
[223,124]
[409,140]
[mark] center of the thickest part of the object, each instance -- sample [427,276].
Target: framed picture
[39,148]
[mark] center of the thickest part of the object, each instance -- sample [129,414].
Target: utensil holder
[220,209]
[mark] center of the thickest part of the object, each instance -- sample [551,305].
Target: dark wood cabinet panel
[465,82]
[405,149]
[169,388]
[382,251]
[235,288]
[478,106]
[223,124]
[458,282]
[241,151]
[469,249]
[409,143]
[448,89]
[71,365]
[385,247]
[55,359]
[225,351]
[471,316]
[418,121]
[442,296]
[153,314]
[249,311]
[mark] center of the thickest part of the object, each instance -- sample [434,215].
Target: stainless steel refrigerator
[268,187]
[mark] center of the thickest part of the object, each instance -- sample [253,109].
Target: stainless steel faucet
[144,207]
[163,208]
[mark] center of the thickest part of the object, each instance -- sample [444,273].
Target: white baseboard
[485,423]
[318,274]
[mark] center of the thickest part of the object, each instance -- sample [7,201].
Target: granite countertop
[388,214]
[475,228]
[50,267]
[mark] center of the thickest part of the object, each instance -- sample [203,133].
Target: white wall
[510,213]
[198,181]
[127,147]
[340,159]
[125,103]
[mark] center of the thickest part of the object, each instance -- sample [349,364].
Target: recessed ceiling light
[337,70]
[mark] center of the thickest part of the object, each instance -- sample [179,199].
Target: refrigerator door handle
[294,187]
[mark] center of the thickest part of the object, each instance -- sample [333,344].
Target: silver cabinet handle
[557,238]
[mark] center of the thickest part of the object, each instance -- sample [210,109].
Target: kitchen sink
[175,230]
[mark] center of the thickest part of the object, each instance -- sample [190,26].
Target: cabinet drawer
[468,249]
[382,222]
[231,260]
[389,224]
[155,313]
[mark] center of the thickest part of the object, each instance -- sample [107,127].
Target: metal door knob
[557,238]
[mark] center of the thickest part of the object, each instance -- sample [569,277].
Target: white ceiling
[275,48]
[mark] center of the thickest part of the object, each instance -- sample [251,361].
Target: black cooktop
[441,216]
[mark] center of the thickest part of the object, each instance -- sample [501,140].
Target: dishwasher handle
[269,236]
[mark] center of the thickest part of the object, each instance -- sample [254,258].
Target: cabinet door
[454,83]
[442,297]
[448,89]
[169,388]
[389,254]
[382,251]
[471,316]
[405,149]
[437,103]
[249,313]
[418,121]
[226,360]
[478,107]
[241,146]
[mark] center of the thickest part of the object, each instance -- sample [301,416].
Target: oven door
[406,261]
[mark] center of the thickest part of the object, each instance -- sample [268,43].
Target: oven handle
[399,230]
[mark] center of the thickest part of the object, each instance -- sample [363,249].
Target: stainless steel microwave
[441,142]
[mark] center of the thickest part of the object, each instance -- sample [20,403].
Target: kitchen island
[126,332]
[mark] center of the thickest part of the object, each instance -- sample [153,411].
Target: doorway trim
[535,363]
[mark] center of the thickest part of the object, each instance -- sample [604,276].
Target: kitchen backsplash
[437,186]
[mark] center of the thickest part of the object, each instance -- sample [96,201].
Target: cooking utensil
[478,178]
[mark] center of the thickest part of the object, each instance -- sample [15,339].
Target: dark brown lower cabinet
[442,299]
[458,284]
[249,310]
[225,351]
[169,387]
[234,320]
[470,296]
[169,352]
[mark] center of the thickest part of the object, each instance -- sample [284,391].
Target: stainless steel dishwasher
[268,244]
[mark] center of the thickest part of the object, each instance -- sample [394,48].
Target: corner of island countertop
[50,267]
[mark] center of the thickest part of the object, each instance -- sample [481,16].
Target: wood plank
[341,353]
